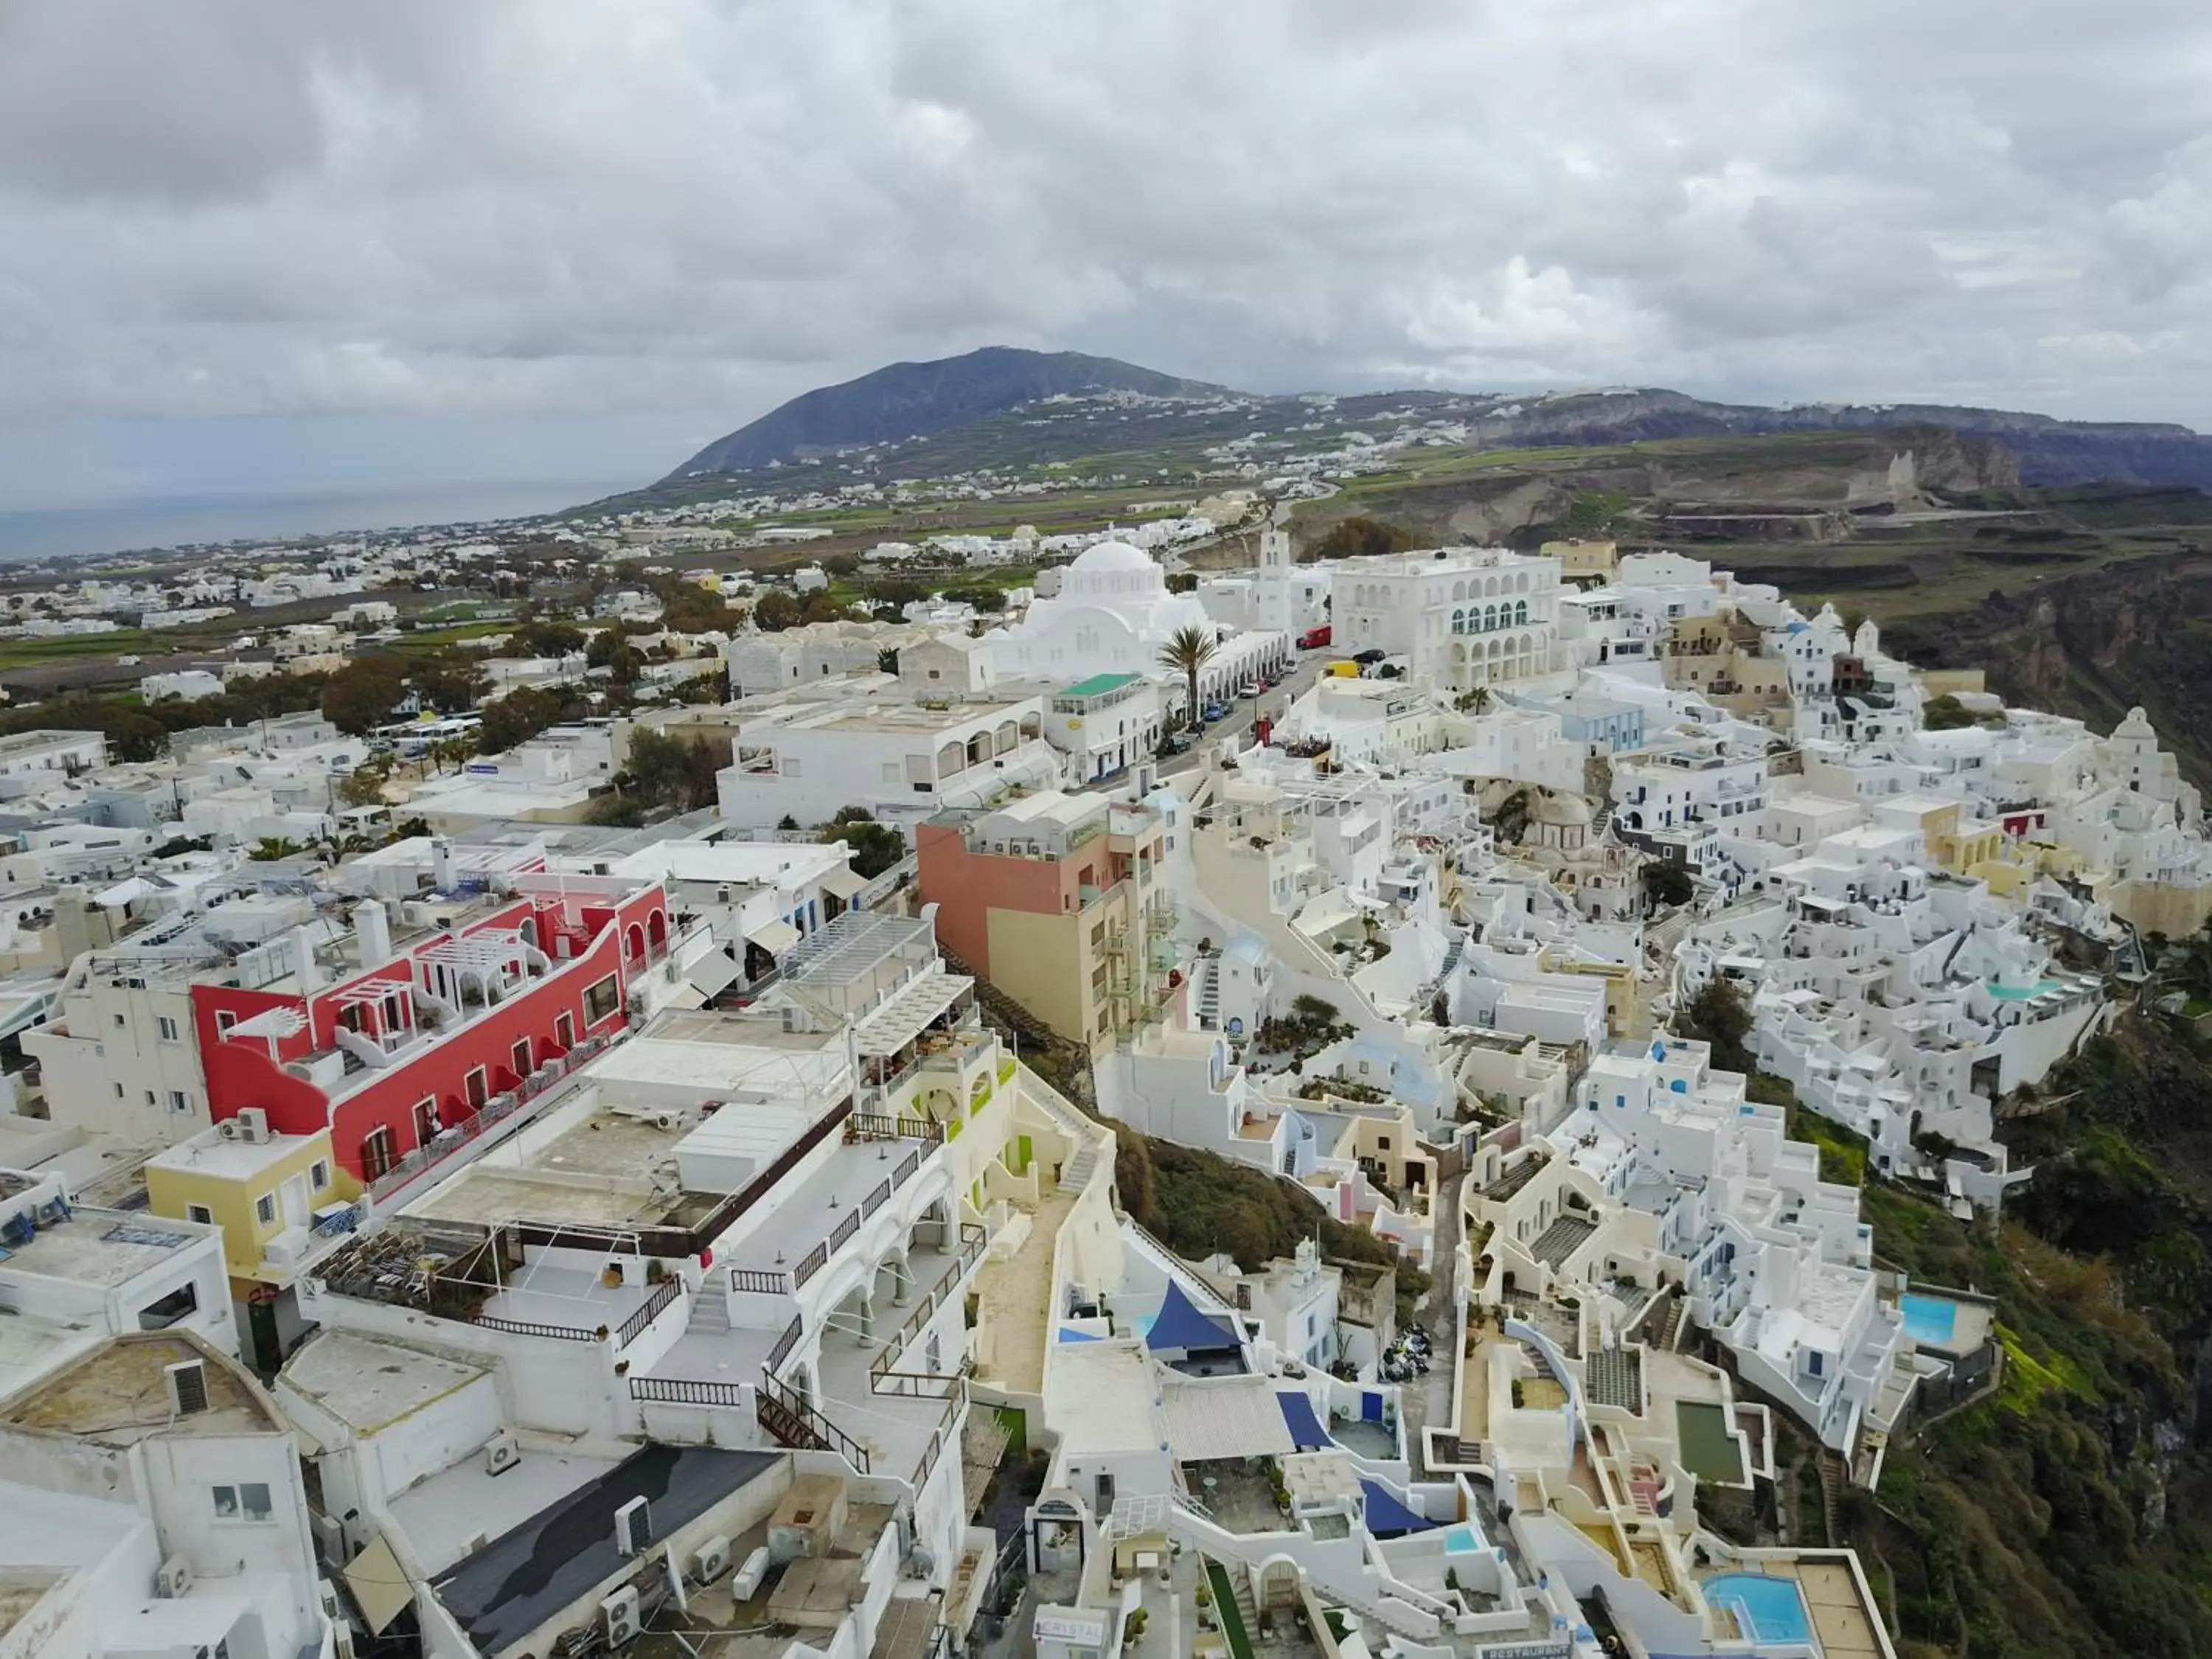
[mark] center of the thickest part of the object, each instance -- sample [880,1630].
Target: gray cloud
[522,208]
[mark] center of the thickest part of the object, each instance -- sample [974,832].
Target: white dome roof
[1113,556]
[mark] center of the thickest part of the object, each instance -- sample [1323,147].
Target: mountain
[909,399]
[2052,451]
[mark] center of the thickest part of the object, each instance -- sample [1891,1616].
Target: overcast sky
[257,245]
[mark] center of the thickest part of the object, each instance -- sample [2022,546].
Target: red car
[1314,637]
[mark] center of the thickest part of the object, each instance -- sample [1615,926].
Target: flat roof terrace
[106,1248]
[119,1394]
[610,1169]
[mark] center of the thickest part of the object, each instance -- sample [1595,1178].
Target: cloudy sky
[254,245]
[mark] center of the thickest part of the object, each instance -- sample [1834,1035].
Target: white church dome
[1105,557]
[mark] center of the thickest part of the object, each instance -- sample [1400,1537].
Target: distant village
[651,1185]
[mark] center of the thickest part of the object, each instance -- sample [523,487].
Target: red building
[403,1040]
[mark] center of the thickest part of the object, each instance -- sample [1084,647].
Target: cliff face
[2094,645]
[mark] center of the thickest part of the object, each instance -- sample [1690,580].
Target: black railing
[876,1201]
[761,1281]
[784,1345]
[899,1128]
[682,1391]
[532,1328]
[634,1327]
[844,1229]
[811,1264]
[788,1416]
[907,1166]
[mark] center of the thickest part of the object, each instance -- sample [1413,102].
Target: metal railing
[811,1264]
[488,1116]
[532,1328]
[898,1128]
[876,1199]
[682,1391]
[786,1416]
[634,1326]
[760,1282]
[844,1231]
[784,1345]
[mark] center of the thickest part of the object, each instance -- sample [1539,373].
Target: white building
[1458,617]
[1112,615]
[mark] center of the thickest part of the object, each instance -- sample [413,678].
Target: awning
[907,1014]
[774,937]
[844,881]
[380,1583]
[1209,1421]
[1179,1327]
[712,974]
[1387,1517]
[1303,1423]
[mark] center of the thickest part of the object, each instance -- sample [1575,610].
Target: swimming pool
[1463,1540]
[2021,992]
[1933,1319]
[1769,1609]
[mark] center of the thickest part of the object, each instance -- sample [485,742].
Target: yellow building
[283,1202]
[1577,558]
[262,1192]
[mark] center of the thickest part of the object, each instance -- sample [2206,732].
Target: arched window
[1459,590]
[1459,622]
[1521,614]
[1489,617]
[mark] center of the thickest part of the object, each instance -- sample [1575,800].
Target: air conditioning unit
[712,1561]
[634,1527]
[501,1453]
[188,1389]
[747,1583]
[618,1615]
[174,1581]
[253,1125]
[231,1129]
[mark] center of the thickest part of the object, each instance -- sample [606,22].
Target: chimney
[442,865]
[375,932]
[303,948]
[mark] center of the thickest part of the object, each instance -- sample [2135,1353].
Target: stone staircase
[1247,1605]
[1831,1497]
[1209,992]
[1670,1326]
[1398,1606]
[1075,1174]
[710,1308]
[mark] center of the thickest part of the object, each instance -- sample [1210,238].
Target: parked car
[1366,657]
[1249,688]
[1215,711]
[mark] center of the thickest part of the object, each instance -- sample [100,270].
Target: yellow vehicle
[1347,670]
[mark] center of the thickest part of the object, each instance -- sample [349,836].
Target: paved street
[1306,667]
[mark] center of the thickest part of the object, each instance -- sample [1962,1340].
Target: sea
[149,524]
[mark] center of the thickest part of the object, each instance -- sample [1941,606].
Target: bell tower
[1273,591]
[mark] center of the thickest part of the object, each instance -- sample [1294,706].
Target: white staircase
[1209,994]
[710,1308]
[1399,1607]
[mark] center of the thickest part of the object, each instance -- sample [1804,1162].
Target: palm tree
[1187,651]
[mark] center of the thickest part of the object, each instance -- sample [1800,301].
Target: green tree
[667,771]
[1667,884]
[549,638]
[1946,713]
[612,651]
[360,696]
[1188,650]
[516,717]
[775,610]
[876,846]
[1720,1015]
[451,681]
[364,785]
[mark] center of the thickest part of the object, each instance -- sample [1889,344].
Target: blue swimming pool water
[1773,1608]
[1930,1319]
[2017,993]
[1462,1540]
